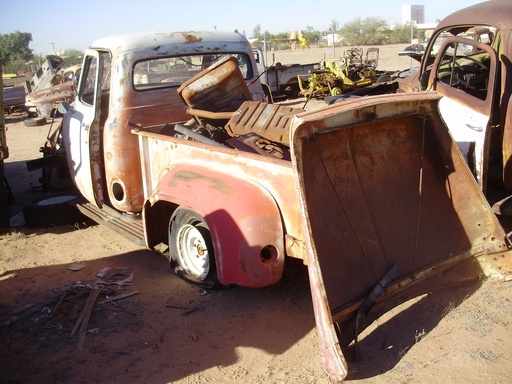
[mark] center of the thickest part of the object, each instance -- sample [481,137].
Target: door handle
[474,128]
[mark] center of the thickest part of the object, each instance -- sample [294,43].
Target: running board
[130,227]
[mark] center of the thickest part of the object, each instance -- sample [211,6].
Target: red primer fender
[243,217]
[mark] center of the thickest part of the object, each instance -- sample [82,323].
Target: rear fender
[243,217]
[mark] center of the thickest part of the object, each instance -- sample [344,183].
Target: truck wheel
[52,211]
[191,248]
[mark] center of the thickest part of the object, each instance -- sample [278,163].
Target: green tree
[256,33]
[72,56]
[333,28]
[368,31]
[14,46]
[401,33]
[312,36]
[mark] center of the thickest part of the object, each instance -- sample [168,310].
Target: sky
[76,24]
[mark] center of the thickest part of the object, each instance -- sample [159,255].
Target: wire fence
[389,58]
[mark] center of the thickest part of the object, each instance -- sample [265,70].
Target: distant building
[413,13]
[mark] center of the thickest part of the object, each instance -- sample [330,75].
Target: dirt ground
[170,331]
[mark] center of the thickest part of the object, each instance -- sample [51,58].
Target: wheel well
[156,220]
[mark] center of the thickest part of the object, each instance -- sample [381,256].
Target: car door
[83,134]
[464,73]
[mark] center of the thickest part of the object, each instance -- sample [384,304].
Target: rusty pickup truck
[170,142]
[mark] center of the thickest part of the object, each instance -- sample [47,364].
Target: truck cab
[130,81]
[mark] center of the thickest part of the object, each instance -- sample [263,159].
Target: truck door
[84,136]
[464,72]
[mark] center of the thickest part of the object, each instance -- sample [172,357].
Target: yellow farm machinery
[341,75]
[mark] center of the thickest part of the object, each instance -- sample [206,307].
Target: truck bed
[167,154]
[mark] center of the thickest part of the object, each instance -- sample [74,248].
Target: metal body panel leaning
[388,204]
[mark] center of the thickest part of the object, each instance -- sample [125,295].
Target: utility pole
[333,46]
[4,154]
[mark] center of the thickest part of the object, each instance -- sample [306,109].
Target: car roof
[157,40]
[497,13]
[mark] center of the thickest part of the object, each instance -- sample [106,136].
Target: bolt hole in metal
[118,191]
[268,254]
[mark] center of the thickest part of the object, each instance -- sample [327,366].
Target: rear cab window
[174,71]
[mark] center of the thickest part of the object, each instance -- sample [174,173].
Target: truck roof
[160,39]
[497,13]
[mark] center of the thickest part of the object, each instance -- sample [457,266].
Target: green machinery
[341,75]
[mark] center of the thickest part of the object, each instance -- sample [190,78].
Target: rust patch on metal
[191,39]
[214,183]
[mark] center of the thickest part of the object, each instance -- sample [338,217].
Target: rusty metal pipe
[196,136]
[210,115]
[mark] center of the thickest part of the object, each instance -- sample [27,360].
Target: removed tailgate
[388,202]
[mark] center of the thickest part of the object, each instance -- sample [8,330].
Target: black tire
[35,122]
[191,249]
[52,211]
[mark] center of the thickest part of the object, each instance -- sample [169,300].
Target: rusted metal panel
[44,100]
[220,88]
[243,218]
[267,120]
[128,108]
[496,12]
[239,200]
[46,75]
[165,154]
[387,200]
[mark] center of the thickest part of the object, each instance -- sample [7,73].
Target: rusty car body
[467,62]
[45,76]
[170,142]
[44,101]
